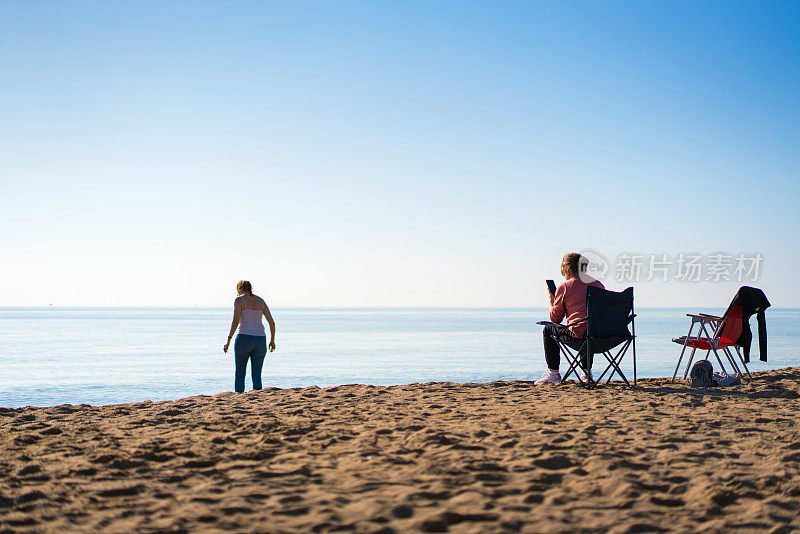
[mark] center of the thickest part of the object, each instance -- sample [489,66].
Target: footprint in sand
[554,462]
[29,470]
[124,491]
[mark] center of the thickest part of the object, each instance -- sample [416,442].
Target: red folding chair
[717,335]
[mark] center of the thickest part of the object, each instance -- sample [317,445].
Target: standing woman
[251,343]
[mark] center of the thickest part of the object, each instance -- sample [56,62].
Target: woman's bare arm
[271,323]
[237,314]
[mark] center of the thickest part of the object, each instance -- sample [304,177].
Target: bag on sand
[702,375]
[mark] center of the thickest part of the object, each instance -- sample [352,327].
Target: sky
[392,153]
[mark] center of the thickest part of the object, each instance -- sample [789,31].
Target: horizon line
[197,307]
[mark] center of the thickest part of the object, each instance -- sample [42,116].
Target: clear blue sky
[390,153]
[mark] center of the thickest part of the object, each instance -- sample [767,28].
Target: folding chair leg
[679,360]
[619,372]
[633,336]
[572,359]
[731,360]
[689,363]
[634,358]
[685,343]
[716,354]
[603,374]
[614,362]
[572,368]
[615,368]
[741,359]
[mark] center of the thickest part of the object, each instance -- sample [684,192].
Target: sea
[97,356]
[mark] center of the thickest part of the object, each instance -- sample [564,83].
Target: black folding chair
[608,316]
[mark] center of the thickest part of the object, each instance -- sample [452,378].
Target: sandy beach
[436,457]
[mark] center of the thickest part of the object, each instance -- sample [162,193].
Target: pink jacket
[570,302]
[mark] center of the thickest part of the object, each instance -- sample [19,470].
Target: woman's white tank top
[250,322]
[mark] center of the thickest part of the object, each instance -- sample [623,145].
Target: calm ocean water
[102,356]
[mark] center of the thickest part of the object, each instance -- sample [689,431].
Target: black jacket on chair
[753,300]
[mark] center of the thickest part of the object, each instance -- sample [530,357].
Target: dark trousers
[552,354]
[253,348]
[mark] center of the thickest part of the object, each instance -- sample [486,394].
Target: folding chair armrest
[707,316]
[579,321]
[702,317]
[550,323]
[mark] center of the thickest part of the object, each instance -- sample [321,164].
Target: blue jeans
[253,348]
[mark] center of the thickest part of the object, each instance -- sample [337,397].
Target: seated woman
[570,302]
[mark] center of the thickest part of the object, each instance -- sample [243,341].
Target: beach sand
[496,457]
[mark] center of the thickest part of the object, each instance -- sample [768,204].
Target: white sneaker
[586,378]
[549,376]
